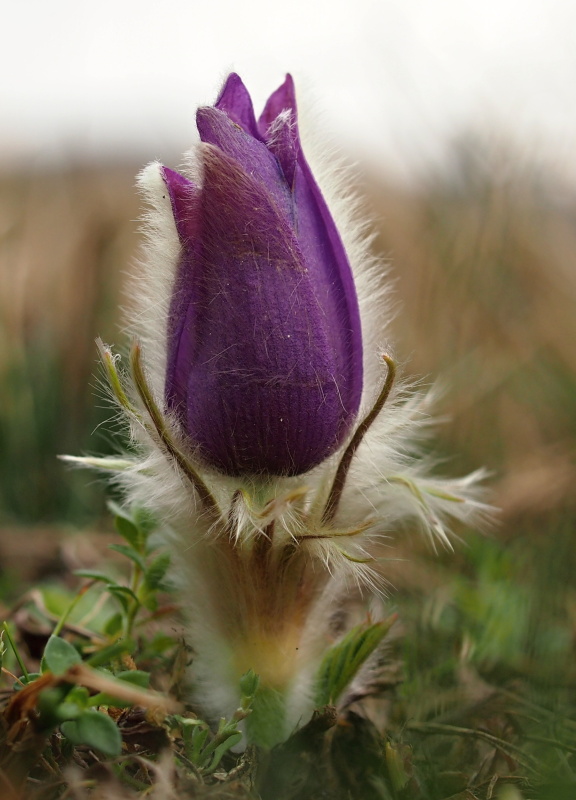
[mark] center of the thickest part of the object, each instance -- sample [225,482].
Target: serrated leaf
[60,655]
[343,661]
[130,553]
[94,729]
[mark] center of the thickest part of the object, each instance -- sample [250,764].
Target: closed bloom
[250,368]
[264,361]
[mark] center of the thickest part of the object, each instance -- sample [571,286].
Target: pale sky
[396,79]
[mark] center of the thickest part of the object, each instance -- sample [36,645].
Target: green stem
[64,618]
[161,430]
[16,653]
[344,465]
[135,606]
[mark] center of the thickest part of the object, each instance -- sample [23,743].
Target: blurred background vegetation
[484,258]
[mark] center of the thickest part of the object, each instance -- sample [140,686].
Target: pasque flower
[264,342]
[269,433]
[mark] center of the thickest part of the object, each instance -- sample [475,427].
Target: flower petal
[258,351]
[264,338]
[321,245]
[216,128]
[184,196]
[283,99]
[185,200]
[236,103]
[315,227]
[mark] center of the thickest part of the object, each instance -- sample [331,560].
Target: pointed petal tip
[183,199]
[232,84]
[174,180]
[283,99]
[235,101]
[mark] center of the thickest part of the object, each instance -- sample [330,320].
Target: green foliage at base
[266,725]
[342,662]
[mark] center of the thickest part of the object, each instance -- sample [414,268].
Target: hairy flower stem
[263,617]
[346,460]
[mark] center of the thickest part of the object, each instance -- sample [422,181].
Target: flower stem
[15,650]
[158,422]
[344,465]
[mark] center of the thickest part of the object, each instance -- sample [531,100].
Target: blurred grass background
[65,239]
[484,255]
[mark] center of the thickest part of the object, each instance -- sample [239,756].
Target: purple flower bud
[264,367]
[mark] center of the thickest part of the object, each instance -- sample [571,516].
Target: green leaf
[134,677]
[160,643]
[60,655]
[194,739]
[343,661]
[68,711]
[107,654]
[128,530]
[144,521]
[395,765]
[126,525]
[249,683]
[156,571]
[94,575]
[137,677]
[24,680]
[222,748]
[96,730]
[49,707]
[123,594]
[113,626]
[130,553]
[79,695]
[150,601]
[266,725]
